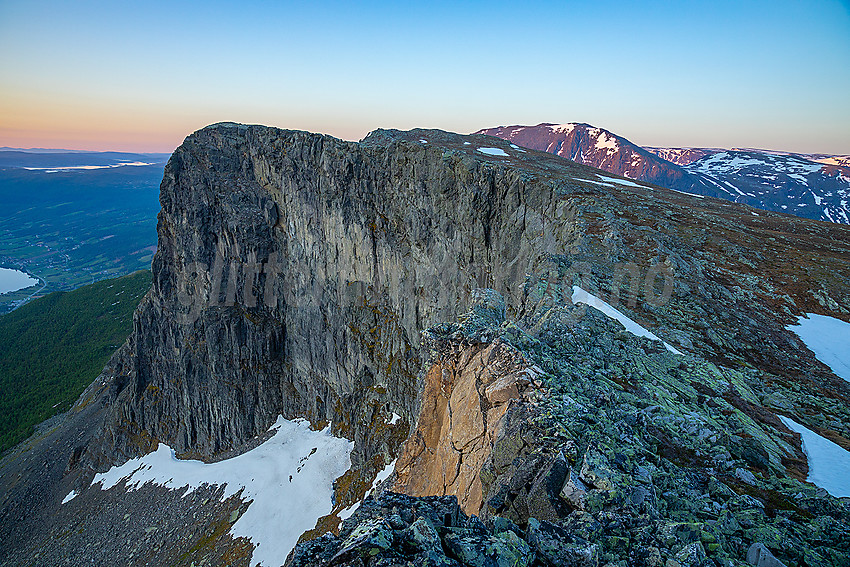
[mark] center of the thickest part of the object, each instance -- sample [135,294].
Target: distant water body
[13,280]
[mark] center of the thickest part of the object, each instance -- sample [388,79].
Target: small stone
[424,534]
[745,476]
[692,555]
[653,557]
[502,390]
[759,556]
[574,491]
[560,549]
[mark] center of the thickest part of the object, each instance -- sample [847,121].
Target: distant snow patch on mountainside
[682,156]
[604,141]
[779,182]
[493,152]
[70,496]
[565,128]
[829,463]
[829,339]
[832,160]
[289,477]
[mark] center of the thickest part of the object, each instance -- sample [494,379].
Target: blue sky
[114,75]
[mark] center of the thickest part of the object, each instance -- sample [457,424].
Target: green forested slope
[55,346]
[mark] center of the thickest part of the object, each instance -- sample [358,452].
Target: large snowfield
[289,477]
[829,464]
[828,338]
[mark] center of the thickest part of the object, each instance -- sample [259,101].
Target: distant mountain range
[815,186]
[69,160]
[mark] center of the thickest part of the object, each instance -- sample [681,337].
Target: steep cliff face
[465,400]
[296,274]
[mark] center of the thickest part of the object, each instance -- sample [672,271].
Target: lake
[13,280]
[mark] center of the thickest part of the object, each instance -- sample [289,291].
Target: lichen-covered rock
[556,547]
[760,556]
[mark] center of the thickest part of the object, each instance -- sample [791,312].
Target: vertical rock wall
[294,274]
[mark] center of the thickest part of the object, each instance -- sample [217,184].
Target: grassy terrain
[55,346]
[75,228]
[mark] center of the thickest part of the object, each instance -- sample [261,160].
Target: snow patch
[565,128]
[382,476]
[581,296]
[607,179]
[394,419]
[828,462]
[423,141]
[828,338]
[691,194]
[289,478]
[493,152]
[70,496]
[606,142]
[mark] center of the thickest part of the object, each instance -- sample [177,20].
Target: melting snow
[517,148]
[581,296]
[493,152]
[289,477]
[71,495]
[381,477]
[691,194]
[828,462]
[828,338]
[607,179]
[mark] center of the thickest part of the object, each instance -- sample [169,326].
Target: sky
[141,76]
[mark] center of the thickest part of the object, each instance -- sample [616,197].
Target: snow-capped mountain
[682,156]
[777,182]
[600,148]
[827,159]
[686,156]
[814,186]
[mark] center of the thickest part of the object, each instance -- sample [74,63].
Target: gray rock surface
[760,556]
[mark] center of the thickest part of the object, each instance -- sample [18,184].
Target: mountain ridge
[301,275]
[780,181]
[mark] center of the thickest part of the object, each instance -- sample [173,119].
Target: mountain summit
[810,186]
